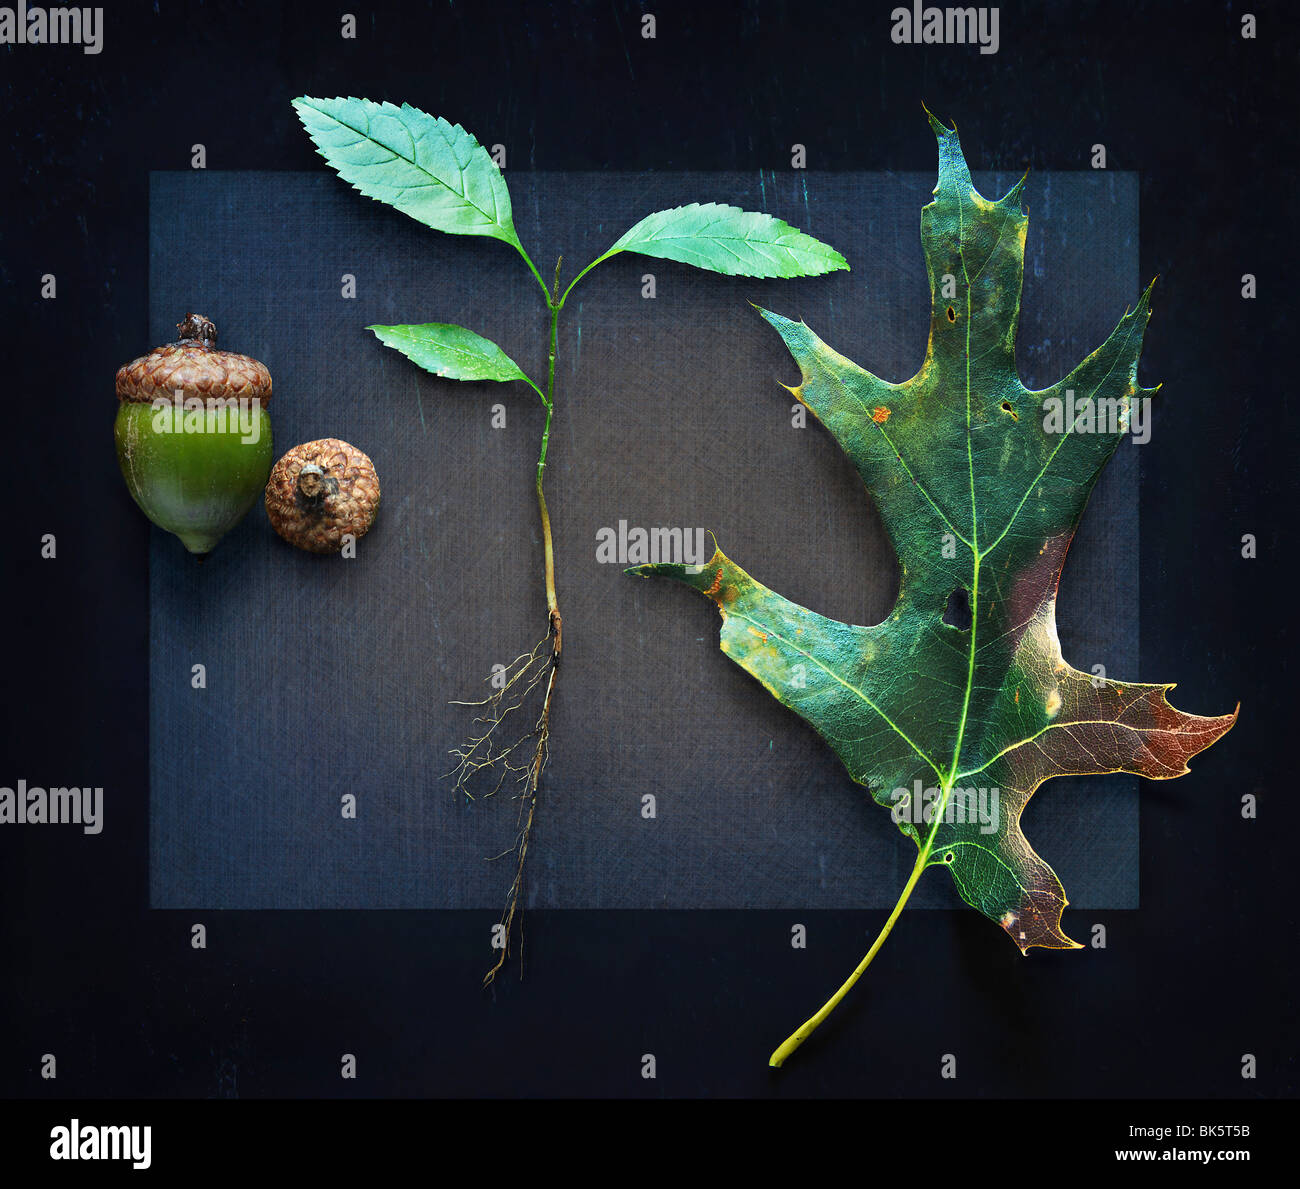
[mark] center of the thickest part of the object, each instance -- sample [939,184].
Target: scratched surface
[327,677]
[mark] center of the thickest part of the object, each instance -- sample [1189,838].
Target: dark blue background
[1199,976]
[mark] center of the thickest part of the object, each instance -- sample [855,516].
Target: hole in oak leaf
[957,613]
[952,314]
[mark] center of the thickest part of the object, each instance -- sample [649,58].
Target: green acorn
[193,434]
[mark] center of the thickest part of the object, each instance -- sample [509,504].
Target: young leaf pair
[440,175]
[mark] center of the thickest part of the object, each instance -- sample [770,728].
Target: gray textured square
[327,676]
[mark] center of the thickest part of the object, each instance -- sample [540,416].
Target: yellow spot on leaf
[880,415]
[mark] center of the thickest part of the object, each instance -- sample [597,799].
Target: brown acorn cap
[194,365]
[319,491]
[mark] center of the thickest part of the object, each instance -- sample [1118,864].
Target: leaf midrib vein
[1052,726]
[364,135]
[763,627]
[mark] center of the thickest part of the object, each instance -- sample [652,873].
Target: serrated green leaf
[452,352]
[981,493]
[729,240]
[427,168]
